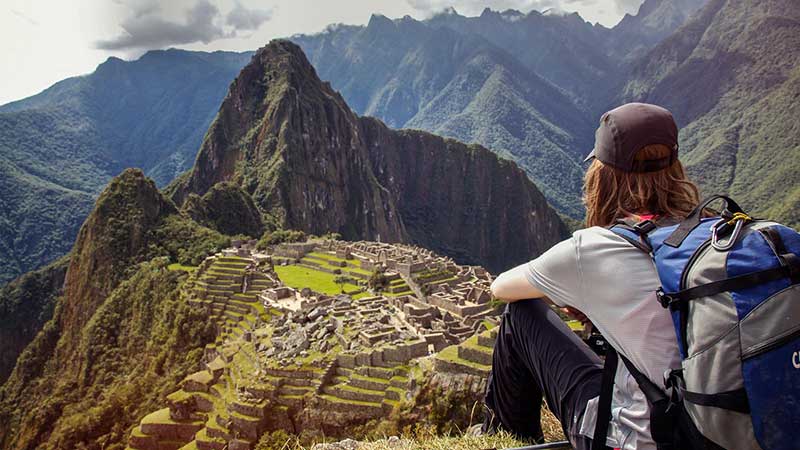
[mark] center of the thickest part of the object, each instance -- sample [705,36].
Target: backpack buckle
[664,299]
[645,227]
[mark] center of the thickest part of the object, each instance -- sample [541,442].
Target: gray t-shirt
[614,284]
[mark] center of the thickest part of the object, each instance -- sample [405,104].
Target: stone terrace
[285,354]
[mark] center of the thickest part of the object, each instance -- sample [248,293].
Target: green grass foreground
[426,442]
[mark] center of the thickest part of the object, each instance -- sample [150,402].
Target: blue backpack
[732,286]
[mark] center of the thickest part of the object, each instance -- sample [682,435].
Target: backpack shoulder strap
[604,402]
[663,408]
[636,233]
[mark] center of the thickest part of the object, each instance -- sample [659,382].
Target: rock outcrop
[310,163]
[226,208]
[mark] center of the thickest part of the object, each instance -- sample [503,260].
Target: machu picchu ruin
[320,335]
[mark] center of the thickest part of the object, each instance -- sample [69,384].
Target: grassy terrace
[300,277]
[178,266]
[351,266]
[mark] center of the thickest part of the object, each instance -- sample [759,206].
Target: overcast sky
[42,42]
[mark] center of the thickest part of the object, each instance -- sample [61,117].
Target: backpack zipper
[698,251]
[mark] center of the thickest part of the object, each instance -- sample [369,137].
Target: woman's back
[614,283]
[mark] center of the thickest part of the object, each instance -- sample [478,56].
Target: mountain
[308,162]
[654,21]
[284,150]
[446,77]
[527,86]
[26,304]
[119,329]
[731,78]
[60,147]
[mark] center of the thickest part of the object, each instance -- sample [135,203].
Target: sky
[43,42]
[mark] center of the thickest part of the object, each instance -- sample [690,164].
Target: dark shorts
[537,356]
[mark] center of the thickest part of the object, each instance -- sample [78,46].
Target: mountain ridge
[297,149]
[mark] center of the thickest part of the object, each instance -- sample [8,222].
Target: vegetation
[139,343]
[60,147]
[26,304]
[121,334]
[226,208]
[280,237]
[421,438]
[377,281]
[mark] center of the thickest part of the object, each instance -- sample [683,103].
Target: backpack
[731,285]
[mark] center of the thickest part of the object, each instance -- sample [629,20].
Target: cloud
[146,28]
[242,18]
[24,17]
[588,9]
[472,7]
[627,6]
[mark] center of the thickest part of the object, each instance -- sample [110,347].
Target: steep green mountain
[309,163]
[732,79]
[226,208]
[60,147]
[443,77]
[26,304]
[118,331]
[634,35]
[528,86]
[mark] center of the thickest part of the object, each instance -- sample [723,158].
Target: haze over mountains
[529,87]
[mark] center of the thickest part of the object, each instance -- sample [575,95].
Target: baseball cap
[625,130]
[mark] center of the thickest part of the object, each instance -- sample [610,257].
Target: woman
[596,275]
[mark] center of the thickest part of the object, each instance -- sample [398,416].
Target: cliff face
[26,304]
[461,200]
[310,163]
[293,144]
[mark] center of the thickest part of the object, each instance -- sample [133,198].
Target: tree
[341,280]
[377,281]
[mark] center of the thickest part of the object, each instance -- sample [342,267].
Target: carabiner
[715,237]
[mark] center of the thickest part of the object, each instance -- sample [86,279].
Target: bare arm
[513,285]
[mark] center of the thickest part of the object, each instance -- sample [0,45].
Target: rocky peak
[655,20]
[293,144]
[308,162]
[112,236]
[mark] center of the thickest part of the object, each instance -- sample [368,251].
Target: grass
[424,441]
[302,277]
[179,266]
[451,354]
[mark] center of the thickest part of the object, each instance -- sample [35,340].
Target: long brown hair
[611,193]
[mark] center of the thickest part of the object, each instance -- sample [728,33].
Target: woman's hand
[575,314]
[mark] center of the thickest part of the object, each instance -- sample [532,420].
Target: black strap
[663,413]
[693,219]
[773,238]
[604,402]
[736,283]
[735,400]
[641,229]
[652,392]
